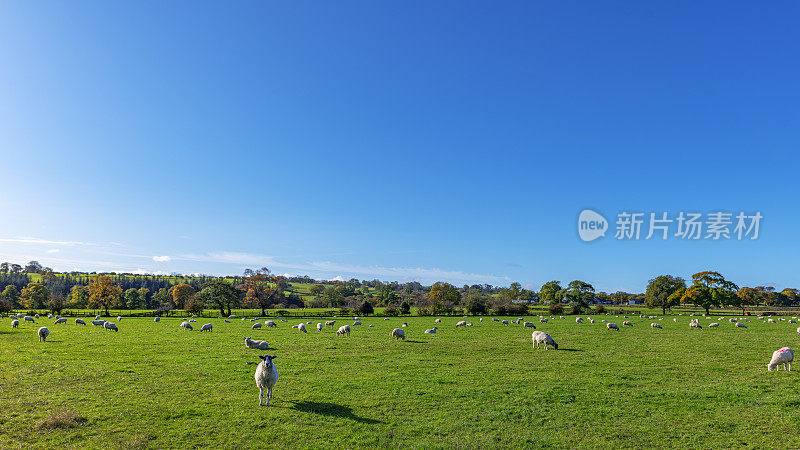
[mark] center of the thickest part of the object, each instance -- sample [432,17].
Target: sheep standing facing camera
[43,333]
[266,376]
[15,324]
[783,356]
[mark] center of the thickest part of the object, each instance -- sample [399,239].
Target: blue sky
[402,141]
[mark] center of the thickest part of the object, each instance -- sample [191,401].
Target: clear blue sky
[432,141]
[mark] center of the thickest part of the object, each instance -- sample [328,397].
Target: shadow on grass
[332,409]
[569,350]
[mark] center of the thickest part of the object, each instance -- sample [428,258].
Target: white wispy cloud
[32,240]
[54,250]
[164,258]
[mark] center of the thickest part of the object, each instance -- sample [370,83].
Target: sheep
[386,318]
[519,321]
[798,331]
[529,325]
[655,325]
[194,316]
[192,321]
[344,329]
[50,316]
[156,319]
[80,322]
[28,319]
[227,321]
[256,326]
[309,322]
[43,333]
[505,322]
[330,323]
[783,356]
[494,319]
[15,324]
[695,325]
[119,318]
[398,333]
[713,325]
[543,320]
[302,328]
[270,324]
[60,320]
[674,319]
[232,316]
[319,327]
[97,317]
[295,326]
[110,326]
[266,376]
[207,327]
[578,320]
[431,330]
[98,323]
[357,322]
[740,325]
[540,337]
[793,321]
[37,316]
[186,326]
[591,321]
[627,324]
[469,324]
[612,326]
[481,319]
[255,344]
[461,323]
[770,320]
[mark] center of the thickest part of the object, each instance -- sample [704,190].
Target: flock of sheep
[267,374]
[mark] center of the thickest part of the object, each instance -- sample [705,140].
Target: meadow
[152,385]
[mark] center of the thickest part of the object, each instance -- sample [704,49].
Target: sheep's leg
[545,345]
[261,396]
[269,395]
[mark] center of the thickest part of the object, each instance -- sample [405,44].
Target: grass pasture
[152,385]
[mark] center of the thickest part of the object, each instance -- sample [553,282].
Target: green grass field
[152,385]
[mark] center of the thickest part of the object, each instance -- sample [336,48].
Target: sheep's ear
[264,357]
[273,357]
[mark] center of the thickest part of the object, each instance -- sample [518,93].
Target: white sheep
[194,316]
[110,326]
[28,319]
[770,320]
[266,376]
[255,344]
[713,325]
[43,333]
[481,319]
[740,325]
[344,329]
[540,337]
[37,316]
[50,316]
[60,320]
[793,321]
[612,326]
[494,319]
[732,320]
[798,331]
[505,322]
[97,317]
[529,325]
[695,325]
[207,327]
[398,333]
[578,320]
[431,330]
[270,324]
[186,326]
[461,323]
[627,324]
[330,323]
[98,323]
[357,322]
[655,325]
[119,318]
[319,326]
[256,326]
[156,319]
[15,324]
[783,356]
[591,321]
[79,322]
[302,328]
[543,320]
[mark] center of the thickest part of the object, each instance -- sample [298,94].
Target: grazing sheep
[770,320]
[655,325]
[494,319]
[591,321]
[97,317]
[295,326]
[540,337]
[319,327]
[79,322]
[431,330]
[793,321]
[49,316]
[232,316]
[695,325]
[469,324]
[60,320]
[397,333]
[627,324]
[330,323]
[227,321]
[266,376]
[481,319]
[612,326]
[255,344]
[783,356]
[740,325]
[15,324]
[578,320]
[119,318]
[357,322]
[194,316]
[461,323]
[110,326]
[505,322]
[302,328]
[529,325]
[192,321]
[255,326]
[344,329]
[156,319]
[713,325]
[28,319]
[207,327]
[37,316]
[270,324]
[98,323]
[186,326]
[674,319]
[386,318]
[543,320]
[43,333]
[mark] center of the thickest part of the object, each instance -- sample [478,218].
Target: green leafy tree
[79,296]
[476,302]
[444,297]
[103,293]
[222,295]
[549,292]
[366,308]
[579,293]
[660,292]
[131,298]
[711,289]
[11,294]
[35,295]
[386,295]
